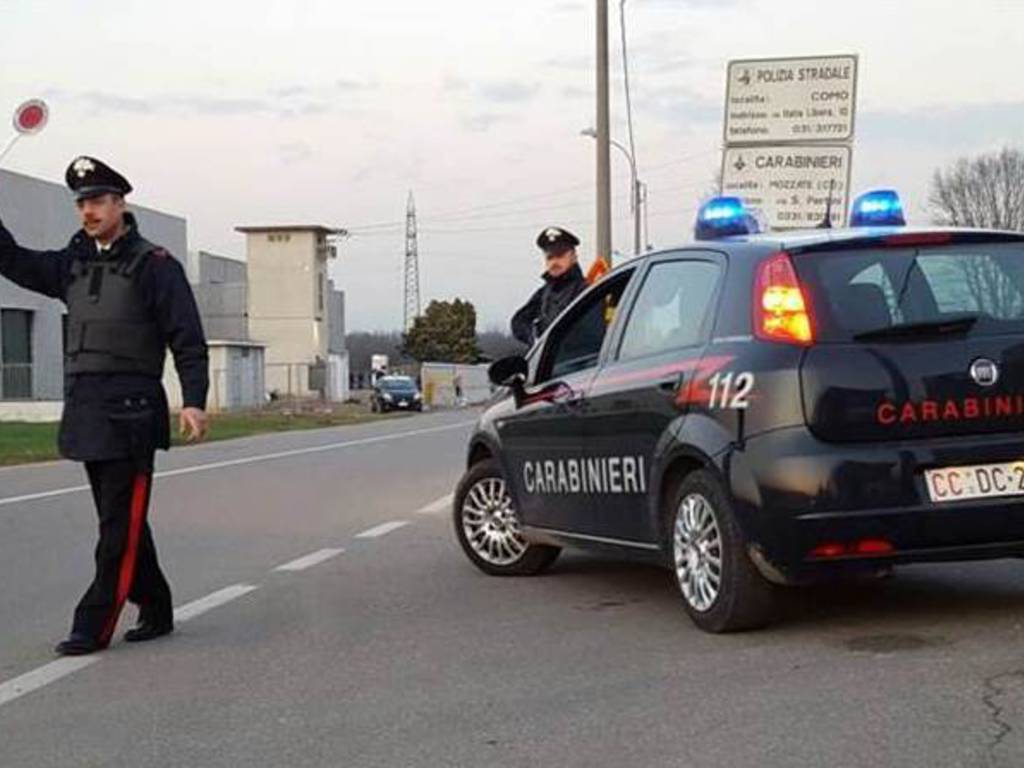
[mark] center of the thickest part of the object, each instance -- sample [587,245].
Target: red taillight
[863,548]
[781,309]
[872,547]
[829,549]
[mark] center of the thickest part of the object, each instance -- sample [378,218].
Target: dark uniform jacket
[533,318]
[120,415]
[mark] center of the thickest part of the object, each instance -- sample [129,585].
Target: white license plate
[403,404]
[981,481]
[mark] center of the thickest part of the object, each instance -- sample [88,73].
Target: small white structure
[236,377]
[337,377]
[443,382]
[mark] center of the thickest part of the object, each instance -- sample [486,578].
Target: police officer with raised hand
[128,301]
[563,282]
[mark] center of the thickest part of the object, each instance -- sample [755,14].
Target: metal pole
[10,143]
[636,216]
[604,192]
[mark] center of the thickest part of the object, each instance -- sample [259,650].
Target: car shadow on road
[933,595]
[924,594]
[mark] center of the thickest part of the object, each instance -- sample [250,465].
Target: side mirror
[509,371]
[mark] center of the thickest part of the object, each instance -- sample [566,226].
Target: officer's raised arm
[44,272]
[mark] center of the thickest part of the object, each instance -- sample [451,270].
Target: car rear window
[852,292]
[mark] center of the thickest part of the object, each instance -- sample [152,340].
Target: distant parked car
[395,393]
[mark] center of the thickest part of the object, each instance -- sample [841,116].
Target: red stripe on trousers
[131,554]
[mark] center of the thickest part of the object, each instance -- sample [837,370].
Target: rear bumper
[794,494]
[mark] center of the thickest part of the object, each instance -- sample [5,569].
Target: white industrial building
[295,310]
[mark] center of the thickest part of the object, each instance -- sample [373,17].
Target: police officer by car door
[563,282]
[128,302]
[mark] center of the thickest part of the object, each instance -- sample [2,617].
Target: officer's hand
[193,423]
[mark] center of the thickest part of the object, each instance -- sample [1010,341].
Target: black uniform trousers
[126,562]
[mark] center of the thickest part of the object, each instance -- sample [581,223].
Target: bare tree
[986,191]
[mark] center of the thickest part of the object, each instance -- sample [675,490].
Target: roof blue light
[722,217]
[877,208]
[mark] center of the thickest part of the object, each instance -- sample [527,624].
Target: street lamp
[635,184]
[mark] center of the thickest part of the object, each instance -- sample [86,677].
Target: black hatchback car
[759,410]
[395,393]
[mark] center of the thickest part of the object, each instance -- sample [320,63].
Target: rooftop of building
[317,228]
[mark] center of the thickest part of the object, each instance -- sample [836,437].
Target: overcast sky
[330,111]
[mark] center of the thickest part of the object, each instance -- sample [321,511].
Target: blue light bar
[723,217]
[877,208]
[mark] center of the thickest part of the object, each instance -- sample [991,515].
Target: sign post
[788,133]
[29,118]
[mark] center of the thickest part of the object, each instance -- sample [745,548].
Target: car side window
[574,344]
[671,310]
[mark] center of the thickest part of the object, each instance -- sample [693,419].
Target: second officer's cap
[556,240]
[89,177]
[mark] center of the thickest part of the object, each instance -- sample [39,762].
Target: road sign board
[790,184]
[768,101]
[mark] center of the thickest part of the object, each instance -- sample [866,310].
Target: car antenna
[827,223]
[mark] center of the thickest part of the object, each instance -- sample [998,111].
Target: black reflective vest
[110,328]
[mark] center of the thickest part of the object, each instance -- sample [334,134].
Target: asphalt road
[396,652]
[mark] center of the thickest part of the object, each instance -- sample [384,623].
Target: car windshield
[867,292]
[397,384]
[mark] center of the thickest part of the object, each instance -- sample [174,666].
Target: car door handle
[671,386]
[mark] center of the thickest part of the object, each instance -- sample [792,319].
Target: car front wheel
[488,529]
[721,589]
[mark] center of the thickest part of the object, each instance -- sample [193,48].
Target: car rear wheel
[488,529]
[722,590]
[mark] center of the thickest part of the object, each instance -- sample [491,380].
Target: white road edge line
[211,601]
[438,505]
[382,529]
[44,675]
[308,561]
[247,460]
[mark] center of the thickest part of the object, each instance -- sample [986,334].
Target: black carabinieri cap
[89,177]
[556,240]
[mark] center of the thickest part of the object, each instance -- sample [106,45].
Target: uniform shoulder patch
[160,253]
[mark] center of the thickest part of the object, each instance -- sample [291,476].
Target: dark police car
[395,393]
[756,410]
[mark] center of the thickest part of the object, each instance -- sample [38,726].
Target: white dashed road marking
[248,460]
[55,670]
[382,529]
[308,561]
[44,675]
[441,505]
[211,601]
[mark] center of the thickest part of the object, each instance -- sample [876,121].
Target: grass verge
[23,443]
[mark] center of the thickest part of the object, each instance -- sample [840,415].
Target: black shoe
[148,630]
[78,645]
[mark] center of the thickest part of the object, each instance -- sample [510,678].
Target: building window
[279,238]
[15,354]
[320,293]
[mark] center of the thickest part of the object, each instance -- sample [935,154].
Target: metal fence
[15,381]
